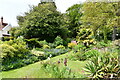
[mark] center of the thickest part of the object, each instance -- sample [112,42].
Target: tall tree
[74,14]
[42,21]
[100,17]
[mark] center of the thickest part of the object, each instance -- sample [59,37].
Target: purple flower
[65,62]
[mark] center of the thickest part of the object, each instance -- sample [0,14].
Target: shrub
[46,46]
[37,53]
[75,56]
[102,44]
[86,37]
[7,51]
[60,47]
[13,51]
[71,45]
[105,65]
[79,48]
[13,63]
[7,38]
[91,53]
[1,41]
[54,52]
[41,43]
[116,43]
[81,55]
[56,72]
[88,43]
[52,45]
[66,41]
[33,42]
[58,41]
[20,45]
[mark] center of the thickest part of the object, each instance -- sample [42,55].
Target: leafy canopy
[42,21]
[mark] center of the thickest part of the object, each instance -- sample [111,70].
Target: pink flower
[74,42]
[83,71]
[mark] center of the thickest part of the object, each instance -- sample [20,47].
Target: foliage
[15,63]
[91,53]
[100,17]
[15,32]
[54,52]
[1,41]
[13,52]
[35,43]
[55,72]
[79,48]
[75,57]
[116,43]
[86,37]
[37,53]
[84,34]
[71,45]
[58,41]
[41,43]
[16,47]
[73,14]
[43,24]
[102,44]
[7,38]
[52,45]
[66,41]
[46,46]
[103,66]
[60,47]
[83,55]
[7,51]
[32,43]
[42,21]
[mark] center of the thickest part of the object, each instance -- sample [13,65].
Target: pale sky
[9,9]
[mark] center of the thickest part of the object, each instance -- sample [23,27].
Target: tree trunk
[114,33]
[105,36]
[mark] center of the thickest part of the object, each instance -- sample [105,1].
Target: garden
[82,43]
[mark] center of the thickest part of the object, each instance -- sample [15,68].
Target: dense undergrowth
[16,53]
[102,57]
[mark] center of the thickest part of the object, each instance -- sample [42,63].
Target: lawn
[35,71]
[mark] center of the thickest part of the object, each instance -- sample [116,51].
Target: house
[4,29]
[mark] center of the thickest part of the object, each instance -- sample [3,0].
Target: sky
[9,9]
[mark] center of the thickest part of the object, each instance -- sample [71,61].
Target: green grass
[35,71]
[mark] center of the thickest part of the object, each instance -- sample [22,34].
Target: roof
[6,34]
[2,24]
[6,27]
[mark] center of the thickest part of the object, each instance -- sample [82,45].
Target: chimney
[2,20]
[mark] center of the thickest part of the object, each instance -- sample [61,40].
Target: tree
[42,21]
[15,32]
[100,17]
[74,14]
